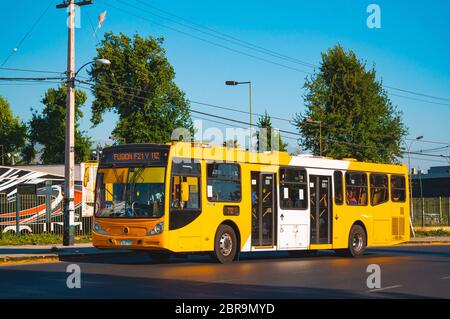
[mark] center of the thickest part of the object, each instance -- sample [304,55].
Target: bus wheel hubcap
[226,244]
[357,242]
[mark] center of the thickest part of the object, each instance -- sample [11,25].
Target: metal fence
[23,214]
[431,211]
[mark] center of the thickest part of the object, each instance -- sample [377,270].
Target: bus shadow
[143,258]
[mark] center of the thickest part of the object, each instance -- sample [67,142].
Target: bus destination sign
[135,156]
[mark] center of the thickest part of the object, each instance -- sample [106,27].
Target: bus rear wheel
[356,243]
[225,244]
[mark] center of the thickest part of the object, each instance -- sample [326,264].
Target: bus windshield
[130,192]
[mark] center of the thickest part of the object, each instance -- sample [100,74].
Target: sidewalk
[52,253]
[429,240]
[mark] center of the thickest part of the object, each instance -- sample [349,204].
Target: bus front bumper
[128,242]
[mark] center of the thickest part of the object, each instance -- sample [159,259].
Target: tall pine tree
[358,119]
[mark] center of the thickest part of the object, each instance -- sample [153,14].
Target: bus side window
[338,191]
[223,182]
[379,191]
[185,172]
[356,188]
[293,188]
[398,188]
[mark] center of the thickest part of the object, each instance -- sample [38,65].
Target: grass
[432,233]
[38,239]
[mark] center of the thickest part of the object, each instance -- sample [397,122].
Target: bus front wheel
[356,243]
[225,244]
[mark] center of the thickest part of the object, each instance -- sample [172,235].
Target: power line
[442,148]
[417,93]
[236,126]
[248,45]
[233,109]
[30,71]
[280,130]
[28,83]
[28,33]
[30,79]
[430,160]
[210,42]
[420,100]
[92,24]
[428,141]
[220,35]
[239,111]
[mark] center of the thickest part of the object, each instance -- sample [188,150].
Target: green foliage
[433,233]
[265,122]
[49,128]
[13,132]
[358,119]
[139,86]
[37,239]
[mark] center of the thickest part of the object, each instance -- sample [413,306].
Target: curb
[432,242]
[51,258]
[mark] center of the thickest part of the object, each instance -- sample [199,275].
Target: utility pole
[69,160]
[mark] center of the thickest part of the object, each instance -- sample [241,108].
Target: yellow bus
[190,197]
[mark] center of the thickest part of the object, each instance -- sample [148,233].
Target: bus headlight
[98,229]
[158,229]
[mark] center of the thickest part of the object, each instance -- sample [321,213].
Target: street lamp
[234,83]
[69,160]
[311,121]
[100,61]
[418,138]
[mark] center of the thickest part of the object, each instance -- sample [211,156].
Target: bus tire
[225,244]
[357,240]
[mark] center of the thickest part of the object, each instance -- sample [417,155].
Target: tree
[49,128]
[139,86]
[265,123]
[358,119]
[13,132]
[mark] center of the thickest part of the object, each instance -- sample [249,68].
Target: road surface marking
[385,288]
[444,278]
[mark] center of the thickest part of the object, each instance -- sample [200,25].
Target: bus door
[263,208]
[320,212]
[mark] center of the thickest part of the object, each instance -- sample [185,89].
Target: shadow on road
[44,284]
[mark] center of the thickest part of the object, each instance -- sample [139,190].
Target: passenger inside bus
[351,199]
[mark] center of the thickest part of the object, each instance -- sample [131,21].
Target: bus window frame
[387,189]
[240,182]
[342,187]
[199,179]
[392,188]
[367,188]
[128,167]
[300,168]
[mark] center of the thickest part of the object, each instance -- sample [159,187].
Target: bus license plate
[125,242]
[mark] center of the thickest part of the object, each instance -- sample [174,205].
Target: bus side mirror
[184,191]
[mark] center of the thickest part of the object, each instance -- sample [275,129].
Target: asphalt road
[406,272]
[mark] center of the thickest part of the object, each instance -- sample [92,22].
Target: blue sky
[410,51]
